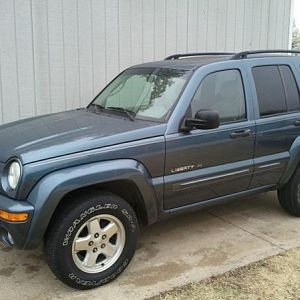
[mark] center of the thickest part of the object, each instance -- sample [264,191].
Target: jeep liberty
[162,138]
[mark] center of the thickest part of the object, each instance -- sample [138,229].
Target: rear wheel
[92,240]
[289,195]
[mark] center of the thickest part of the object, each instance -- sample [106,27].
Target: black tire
[59,239]
[289,195]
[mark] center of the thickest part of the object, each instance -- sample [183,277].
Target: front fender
[293,162]
[50,190]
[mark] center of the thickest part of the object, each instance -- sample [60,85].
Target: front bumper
[17,230]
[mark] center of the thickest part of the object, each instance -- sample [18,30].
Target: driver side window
[222,91]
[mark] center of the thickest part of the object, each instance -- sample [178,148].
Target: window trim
[280,114]
[244,92]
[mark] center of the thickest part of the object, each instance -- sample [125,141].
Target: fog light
[10,239]
[13,217]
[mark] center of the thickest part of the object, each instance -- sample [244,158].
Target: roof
[192,61]
[187,63]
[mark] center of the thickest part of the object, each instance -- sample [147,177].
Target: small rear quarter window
[291,88]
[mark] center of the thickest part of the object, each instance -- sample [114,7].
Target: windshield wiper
[101,108]
[98,107]
[131,114]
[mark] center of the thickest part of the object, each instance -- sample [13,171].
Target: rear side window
[270,90]
[276,89]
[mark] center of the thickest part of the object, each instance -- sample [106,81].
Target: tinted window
[291,89]
[224,92]
[270,90]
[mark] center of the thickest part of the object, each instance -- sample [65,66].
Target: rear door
[207,164]
[278,118]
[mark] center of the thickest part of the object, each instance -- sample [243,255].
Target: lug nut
[95,250]
[96,235]
[103,246]
[103,237]
[91,243]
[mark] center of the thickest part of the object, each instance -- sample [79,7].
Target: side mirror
[204,119]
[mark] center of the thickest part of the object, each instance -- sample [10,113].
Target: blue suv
[162,138]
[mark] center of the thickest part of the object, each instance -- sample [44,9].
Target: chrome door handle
[297,123]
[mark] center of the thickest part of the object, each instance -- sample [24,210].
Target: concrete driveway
[172,253]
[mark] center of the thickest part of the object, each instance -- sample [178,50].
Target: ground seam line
[259,237]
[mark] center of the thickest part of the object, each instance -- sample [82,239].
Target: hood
[69,132]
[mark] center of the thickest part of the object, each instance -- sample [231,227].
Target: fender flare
[292,163]
[50,190]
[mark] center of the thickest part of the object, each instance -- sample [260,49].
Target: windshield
[147,93]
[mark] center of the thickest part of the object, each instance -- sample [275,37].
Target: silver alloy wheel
[98,243]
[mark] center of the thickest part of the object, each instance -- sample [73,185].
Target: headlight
[14,174]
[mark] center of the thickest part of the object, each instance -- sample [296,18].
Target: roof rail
[177,56]
[245,54]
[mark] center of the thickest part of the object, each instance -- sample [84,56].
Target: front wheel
[92,240]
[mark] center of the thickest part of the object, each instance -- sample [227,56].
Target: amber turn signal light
[13,217]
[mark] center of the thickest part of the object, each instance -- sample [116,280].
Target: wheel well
[122,188]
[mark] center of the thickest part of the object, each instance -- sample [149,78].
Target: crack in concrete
[245,230]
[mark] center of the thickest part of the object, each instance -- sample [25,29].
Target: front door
[207,164]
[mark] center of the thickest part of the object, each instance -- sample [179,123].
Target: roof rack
[177,56]
[245,54]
